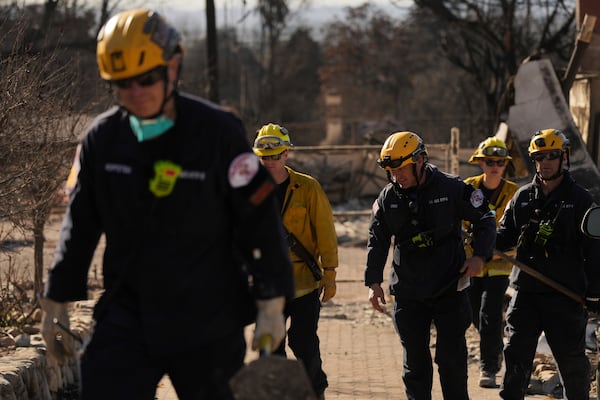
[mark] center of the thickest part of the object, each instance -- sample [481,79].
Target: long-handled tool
[541,277]
[67,331]
[456,285]
[535,273]
[271,377]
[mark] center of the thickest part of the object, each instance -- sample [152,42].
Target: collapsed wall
[540,104]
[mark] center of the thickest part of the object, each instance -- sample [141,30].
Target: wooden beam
[584,37]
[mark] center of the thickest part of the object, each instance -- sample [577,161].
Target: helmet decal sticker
[117,60]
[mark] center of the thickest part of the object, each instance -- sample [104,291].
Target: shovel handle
[264,345]
[67,330]
[541,277]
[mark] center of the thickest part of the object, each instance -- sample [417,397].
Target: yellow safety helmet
[271,139]
[491,147]
[400,149]
[134,42]
[548,140]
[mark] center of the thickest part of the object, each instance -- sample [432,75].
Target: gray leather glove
[58,342]
[269,321]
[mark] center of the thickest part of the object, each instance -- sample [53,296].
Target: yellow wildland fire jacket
[497,201]
[307,214]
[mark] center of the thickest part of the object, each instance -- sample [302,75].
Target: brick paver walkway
[361,361]
[361,351]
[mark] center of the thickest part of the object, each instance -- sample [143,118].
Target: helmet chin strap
[556,175]
[414,170]
[147,128]
[395,185]
[166,96]
[417,177]
[389,177]
[553,177]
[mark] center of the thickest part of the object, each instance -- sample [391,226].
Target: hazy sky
[166,6]
[187,4]
[314,3]
[188,14]
[222,5]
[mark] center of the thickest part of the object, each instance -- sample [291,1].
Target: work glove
[472,266]
[592,303]
[328,287]
[269,321]
[59,343]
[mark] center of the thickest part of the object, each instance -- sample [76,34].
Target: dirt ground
[349,328]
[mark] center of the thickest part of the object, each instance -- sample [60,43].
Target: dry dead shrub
[16,292]
[38,126]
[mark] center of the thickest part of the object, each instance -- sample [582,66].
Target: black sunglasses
[491,163]
[273,157]
[146,79]
[393,164]
[546,155]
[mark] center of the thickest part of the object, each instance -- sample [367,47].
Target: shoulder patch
[375,207]
[243,169]
[477,198]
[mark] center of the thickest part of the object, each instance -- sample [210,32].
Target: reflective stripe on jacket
[308,215]
[496,266]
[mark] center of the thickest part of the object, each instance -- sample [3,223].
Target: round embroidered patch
[375,207]
[477,198]
[242,169]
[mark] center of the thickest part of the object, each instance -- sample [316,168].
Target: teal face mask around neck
[149,128]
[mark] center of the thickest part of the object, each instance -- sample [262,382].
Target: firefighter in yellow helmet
[308,220]
[488,288]
[550,144]
[542,222]
[402,149]
[174,186]
[422,208]
[140,55]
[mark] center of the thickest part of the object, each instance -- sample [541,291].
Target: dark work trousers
[118,365]
[563,320]
[302,337]
[487,305]
[451,317]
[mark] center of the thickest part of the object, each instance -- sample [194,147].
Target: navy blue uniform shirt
[568,256]
[435,209]
[181,252]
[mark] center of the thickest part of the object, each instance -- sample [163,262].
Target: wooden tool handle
[264,345]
